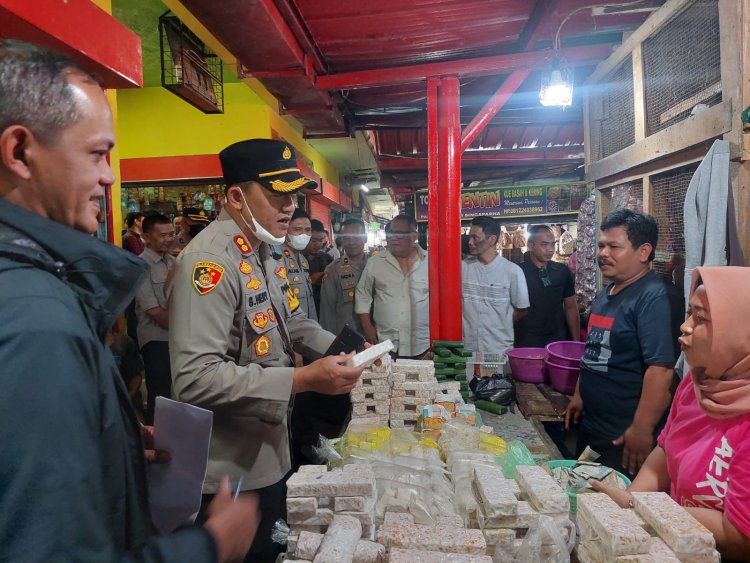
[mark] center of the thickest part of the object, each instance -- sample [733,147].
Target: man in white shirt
[495,296]
[394,284]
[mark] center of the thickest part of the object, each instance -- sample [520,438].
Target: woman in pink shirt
[703,453]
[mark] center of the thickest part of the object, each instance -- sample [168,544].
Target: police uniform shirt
[151,295]
[233,323]
[298,272]
[337,295]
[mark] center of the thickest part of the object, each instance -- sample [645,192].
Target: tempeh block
[496,492]
[422,556]
[619,534]
[340,542]
[350,481]
[679,530]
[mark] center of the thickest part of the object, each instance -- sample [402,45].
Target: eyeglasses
[544,276]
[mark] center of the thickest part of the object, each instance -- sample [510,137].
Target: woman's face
[697,331]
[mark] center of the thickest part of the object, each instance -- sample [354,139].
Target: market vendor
[703,453]
[627,374]
[235,324]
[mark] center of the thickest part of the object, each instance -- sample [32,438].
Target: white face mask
[299,242]
[257,229]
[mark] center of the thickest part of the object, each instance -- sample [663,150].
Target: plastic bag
[280,532]
[498,389]
[545,543]
[517,454]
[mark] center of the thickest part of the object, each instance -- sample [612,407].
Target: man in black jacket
[72,470]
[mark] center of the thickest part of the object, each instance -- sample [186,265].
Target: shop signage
[514,201]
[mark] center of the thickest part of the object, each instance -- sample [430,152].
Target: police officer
[297,267]
[340,280]
[235,324]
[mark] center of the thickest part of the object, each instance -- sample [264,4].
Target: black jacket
[72,472]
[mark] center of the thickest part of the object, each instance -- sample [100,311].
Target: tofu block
[422,556]
[340,542]
[544,493]
[307,545]
[500,537]
[361,396]
[592,552]
[291,543]
[303,507]
[386,364]
[405,415]
[403,424]
[322,517]
[369,552]
[400,531]
[299,528]
[525,517]
[619,534]
[497,495]
[371,407]
[368,356]
[350,481]
[679,530]
[351,504]
[661,552]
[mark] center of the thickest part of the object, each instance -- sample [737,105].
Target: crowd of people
[235,315]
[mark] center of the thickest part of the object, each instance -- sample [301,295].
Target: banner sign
[514,201]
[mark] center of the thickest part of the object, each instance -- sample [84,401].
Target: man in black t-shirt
[553,315]
[624,390]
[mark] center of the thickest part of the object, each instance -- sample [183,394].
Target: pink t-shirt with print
[708,459]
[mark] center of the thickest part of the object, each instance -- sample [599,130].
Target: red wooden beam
[498,64]
[433,193]
[493,105]
[80,30]
[511,157]
[449,208]
[170,168]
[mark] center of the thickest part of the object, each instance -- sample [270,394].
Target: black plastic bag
[498,389]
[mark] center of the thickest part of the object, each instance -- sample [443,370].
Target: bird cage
[187,68]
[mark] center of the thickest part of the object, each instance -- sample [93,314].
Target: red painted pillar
[433,196]
[449,209]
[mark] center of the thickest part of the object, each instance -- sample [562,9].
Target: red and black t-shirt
[628,331]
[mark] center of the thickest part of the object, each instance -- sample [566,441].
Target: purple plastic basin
[566,353]
[527,364]
[562,378]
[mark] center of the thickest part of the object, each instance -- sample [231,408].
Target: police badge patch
[206,276]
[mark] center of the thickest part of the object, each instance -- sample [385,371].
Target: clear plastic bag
[545,543]
[425,505]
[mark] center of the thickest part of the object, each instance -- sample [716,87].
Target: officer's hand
[152,455]
[233,522]
[330,375]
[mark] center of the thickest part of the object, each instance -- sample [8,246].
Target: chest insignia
[260,320]
[254,284]
[246,268]
[262,345]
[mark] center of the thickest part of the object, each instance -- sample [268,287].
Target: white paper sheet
[175,487]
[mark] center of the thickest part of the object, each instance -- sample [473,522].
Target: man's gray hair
[34,89]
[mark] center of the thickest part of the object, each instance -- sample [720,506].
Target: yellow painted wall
[154,122]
